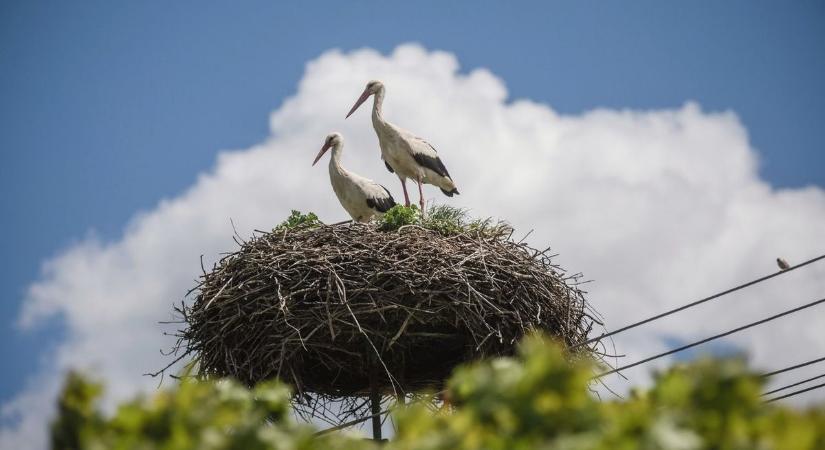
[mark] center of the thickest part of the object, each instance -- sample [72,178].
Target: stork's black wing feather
[389,167]
[381,204]
[430,162]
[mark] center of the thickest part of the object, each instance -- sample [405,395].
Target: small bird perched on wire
[361,197]
[783,265]
[405,154]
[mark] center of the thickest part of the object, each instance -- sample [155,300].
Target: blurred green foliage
[534,400]
[299,220]
[538,400]
[194,415]
[77,413]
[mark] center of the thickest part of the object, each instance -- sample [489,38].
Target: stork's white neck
[335,160]
[377,103]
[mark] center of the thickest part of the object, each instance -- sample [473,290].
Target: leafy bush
[195,415]
[77,413]
[536,399]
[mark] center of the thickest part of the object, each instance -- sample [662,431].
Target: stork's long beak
[364,96]
[321,153]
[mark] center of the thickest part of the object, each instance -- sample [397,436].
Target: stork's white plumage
[361,197]
[404,153]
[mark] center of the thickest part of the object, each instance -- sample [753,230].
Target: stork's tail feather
[450,193]
[381,204]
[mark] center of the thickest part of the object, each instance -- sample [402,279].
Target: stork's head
[373,87]
[333,140]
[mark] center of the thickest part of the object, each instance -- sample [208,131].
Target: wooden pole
[400,395]
[375,404]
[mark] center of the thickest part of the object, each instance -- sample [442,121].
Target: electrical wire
[794,384]
[797,366]
[801,391]
[714,337]
[697,302]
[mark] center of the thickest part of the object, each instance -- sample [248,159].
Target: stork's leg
[420,196]
[406,196]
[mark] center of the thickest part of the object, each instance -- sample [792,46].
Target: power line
[794,384]
[788,369]
[694,344]
[801,391]
[697,302]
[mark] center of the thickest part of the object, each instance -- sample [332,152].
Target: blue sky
[109,108]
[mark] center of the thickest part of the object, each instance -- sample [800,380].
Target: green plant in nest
[400,215]
[299,220]
[445,219]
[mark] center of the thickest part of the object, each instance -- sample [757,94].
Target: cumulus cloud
[657,207]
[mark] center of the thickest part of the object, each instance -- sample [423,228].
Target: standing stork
[361,197]
[405,154]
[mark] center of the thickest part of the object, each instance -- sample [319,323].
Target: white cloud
[658,207]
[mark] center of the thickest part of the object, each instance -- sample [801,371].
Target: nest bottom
[422,366]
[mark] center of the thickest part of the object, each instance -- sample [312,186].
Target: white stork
[361,197]
[404,153]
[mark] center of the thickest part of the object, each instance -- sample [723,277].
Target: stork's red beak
[361,99]
[321,153]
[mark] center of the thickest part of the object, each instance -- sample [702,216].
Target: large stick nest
[337,309]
